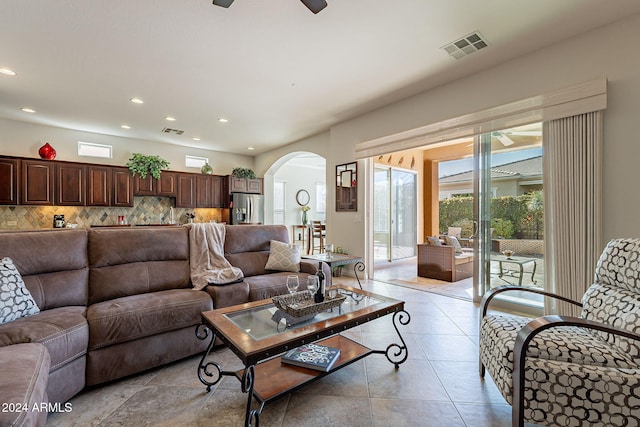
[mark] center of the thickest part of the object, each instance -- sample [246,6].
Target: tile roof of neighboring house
[521,168]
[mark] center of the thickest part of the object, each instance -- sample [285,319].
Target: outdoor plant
[142,165]
[503,228]
[243,173]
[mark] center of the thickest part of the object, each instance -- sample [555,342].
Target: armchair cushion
[433,241]
[564,344]
[453,241]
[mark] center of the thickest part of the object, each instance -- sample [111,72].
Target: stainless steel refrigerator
[247,208]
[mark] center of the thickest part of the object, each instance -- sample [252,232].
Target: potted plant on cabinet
[143,165]
[243,173]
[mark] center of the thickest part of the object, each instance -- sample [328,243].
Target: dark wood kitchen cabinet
[9,177]
[70,185]
[122,187]
[186,187]
[144,186]
[37,182]
[98,185]
[254,185]
[245,185]
[167,186]
[203,191]
[217,191]
[209,191]
[149,186]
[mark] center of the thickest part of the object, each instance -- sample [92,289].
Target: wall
[24,139]
[572,61]
[297,178]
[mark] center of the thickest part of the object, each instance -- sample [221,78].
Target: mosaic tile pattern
[145,210]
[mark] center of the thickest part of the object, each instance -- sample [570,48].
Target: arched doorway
[287,176]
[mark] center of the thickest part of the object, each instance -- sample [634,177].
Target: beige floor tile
[411,413]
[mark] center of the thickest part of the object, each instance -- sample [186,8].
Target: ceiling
[275,70]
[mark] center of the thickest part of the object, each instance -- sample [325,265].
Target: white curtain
[572,190]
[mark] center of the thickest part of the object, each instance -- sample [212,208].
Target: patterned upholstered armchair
[568,371]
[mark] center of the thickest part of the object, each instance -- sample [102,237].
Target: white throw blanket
[206,253]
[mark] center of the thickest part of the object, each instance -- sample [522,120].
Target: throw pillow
[283,257]
[433,241]
[453,241]
[15,299]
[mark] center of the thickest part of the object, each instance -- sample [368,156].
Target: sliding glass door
[508,210]
[395,213]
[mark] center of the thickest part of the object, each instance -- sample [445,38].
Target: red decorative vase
[47,152]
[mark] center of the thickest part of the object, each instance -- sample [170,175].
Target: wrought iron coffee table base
[210,373]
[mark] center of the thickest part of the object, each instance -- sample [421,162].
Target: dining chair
[317,232]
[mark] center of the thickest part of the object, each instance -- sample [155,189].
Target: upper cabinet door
[237,185]
[70,184]
[9,173]
[144,186]
[254,185]
[98,185]
[203,191]
[166,185]
[186,190]
[37,182]
[217,191]
[122,187]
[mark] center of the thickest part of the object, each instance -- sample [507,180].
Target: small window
[195,162]
[90,149]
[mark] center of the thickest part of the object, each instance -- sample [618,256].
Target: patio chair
[572,371]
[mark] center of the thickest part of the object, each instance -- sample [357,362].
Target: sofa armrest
[311,267]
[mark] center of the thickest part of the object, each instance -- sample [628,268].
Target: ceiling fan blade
[223,3]
[504,139]
[315,6]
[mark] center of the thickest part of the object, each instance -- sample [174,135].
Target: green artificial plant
[243,173]
[142,165]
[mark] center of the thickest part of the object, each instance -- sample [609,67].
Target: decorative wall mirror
[347,187]
[302,197]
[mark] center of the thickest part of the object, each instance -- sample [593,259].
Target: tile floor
[437,386]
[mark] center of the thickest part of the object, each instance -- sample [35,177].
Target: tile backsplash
[145,210]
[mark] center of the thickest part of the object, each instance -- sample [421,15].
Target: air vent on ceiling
[466,45]
[176,131]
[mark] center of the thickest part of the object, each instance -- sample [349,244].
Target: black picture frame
[347,187]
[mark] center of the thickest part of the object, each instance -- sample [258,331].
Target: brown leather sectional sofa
[114,302]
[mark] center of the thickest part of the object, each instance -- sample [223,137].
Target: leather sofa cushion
[24,374]
[247,246]
[53,264]
[63,331]
[126,262]
[269,285]
[125,319]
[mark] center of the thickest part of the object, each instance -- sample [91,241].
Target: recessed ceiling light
[170,119]
[28,110]
[250,148]
[7,72]
[137,101]
[195,138]
[223,120]
[125,126]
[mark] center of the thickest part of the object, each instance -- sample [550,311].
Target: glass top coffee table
[258,336]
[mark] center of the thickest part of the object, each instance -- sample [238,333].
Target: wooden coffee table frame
[260,357]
